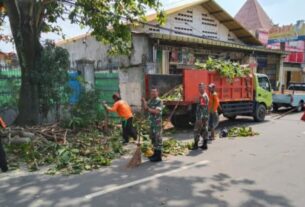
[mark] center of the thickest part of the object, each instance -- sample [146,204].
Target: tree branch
[45,2]
[12,11]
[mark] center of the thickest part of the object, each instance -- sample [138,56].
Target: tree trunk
[28,100]
[24,26]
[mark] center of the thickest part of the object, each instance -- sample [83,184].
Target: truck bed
[288,98]
[237,90]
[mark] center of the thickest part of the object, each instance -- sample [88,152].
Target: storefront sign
[295,47]
[287,33]
[263,37]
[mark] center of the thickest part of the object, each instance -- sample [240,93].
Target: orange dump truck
[247,96]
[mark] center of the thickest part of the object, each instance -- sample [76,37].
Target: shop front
[174,53]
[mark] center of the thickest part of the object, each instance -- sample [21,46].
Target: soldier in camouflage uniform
[154,109]
[202,117]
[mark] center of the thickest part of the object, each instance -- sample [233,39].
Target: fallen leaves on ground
[241,132]
[85,150]
[175,147]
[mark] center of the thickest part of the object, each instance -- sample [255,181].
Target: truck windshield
[264,83]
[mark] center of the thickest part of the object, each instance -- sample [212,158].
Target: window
[297,87]
[264,83]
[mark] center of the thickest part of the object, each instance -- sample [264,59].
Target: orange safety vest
[2,123]
[122,108]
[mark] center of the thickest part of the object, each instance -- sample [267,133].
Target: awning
[293,69]
[195,41]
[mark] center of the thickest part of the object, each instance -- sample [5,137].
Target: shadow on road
[169,190]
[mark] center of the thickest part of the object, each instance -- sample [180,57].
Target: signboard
[263,37]
[296,48]
[287,33]
[292,46]
[287,39]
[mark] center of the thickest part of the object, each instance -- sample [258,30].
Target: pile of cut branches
[62,151]
[174,95]
[226,68]
[241,132]
[175,147]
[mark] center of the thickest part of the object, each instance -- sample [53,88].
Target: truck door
[263,90]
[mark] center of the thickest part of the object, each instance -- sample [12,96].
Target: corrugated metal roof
[214,9]
[221,15]
[72,39]
[212,43]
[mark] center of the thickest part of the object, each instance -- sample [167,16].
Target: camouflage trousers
[201,129]
[156,138]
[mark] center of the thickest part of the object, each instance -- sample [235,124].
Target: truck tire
[260,113]
[275,108]
[300,107]
[230,117]
[181,121]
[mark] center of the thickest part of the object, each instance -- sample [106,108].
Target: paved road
[266,170]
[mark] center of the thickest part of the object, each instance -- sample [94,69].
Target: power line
[138,21]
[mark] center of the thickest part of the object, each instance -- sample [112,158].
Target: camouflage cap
[201,85]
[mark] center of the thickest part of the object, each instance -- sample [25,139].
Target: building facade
[290,38]
[193,32]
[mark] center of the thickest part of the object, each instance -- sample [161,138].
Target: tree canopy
[109,20]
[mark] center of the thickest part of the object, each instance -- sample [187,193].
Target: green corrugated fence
[107,84]
[10,81]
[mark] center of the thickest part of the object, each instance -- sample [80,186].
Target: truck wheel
[231,118]
[181,121]
[275,108]
[260,113]
[300,107]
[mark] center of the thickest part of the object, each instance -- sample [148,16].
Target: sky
[280,11]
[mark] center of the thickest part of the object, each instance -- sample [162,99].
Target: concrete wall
[89,48]
[130,69]
[132,85]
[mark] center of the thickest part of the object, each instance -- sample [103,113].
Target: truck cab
[263,96]
[258,106]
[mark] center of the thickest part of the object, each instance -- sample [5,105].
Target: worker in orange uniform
[124,111]
[3,162]
[213,108]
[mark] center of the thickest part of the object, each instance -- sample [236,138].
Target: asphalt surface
[265,170]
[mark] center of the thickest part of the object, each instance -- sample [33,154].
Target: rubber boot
[157,157]
[4,168]
[153,156]
[195,146]
[3,163]
[205,145]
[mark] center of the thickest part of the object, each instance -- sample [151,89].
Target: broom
[136,158]
[168,123]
